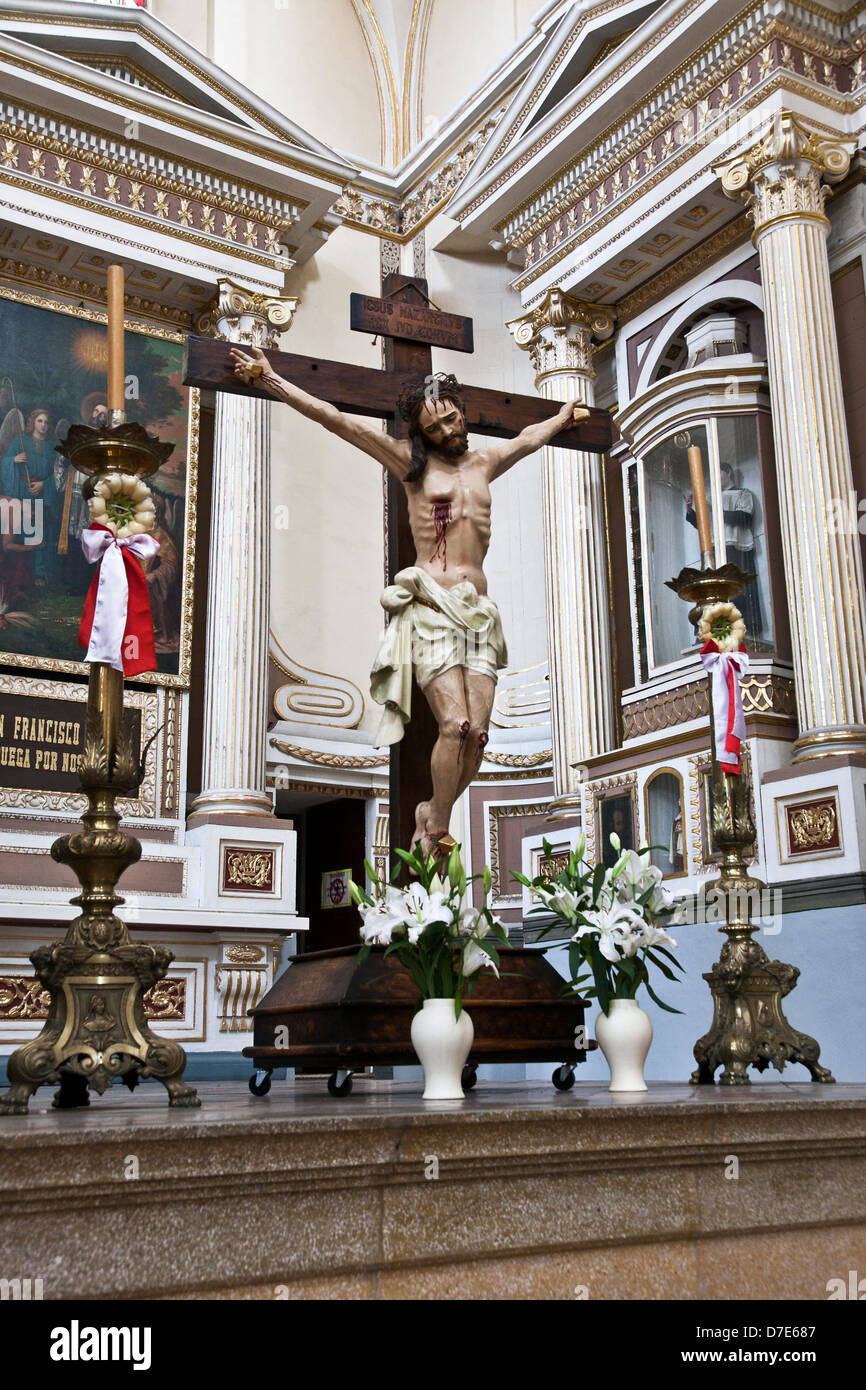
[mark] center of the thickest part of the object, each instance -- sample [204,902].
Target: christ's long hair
[439,386]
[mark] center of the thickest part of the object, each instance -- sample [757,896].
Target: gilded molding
[47,74]
[27,273]
[338,760]
[542,759]
[695,260]
[366,209]
[129,182]
[145,806]
[762,695]
[552,222]
[504,894]
[597,792]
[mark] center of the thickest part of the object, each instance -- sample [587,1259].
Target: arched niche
[664,818]
[726,295]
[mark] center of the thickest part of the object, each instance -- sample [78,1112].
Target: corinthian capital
[558,333]
[781,175]
[240,315]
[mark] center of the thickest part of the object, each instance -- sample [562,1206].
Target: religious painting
[53,374]
[615,815]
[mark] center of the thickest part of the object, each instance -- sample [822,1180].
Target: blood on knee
[464,733]
[483,738]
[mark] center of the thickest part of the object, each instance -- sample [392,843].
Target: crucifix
[443,626]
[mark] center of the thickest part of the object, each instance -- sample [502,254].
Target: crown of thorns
[434,387]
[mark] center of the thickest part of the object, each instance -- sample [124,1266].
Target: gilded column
[558,334]
[782,178]
[238,612]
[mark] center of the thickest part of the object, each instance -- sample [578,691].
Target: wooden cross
[408,326]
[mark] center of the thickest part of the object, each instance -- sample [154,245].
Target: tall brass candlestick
[115,340]
[749,1027]
[702,512]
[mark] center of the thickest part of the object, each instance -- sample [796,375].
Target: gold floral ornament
[723,624]
[124,504]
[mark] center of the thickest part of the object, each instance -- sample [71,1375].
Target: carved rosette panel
[249,870]
[812,827]
[24,999]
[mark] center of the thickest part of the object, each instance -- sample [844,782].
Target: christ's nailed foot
[425,834]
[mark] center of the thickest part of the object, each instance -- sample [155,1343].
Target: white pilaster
[782,176]
[235,716]
[558,334]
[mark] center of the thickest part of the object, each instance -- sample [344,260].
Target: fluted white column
[238,612]
[558,334]
[782,177]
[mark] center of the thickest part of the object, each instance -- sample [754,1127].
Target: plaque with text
[418,322]
[41,742]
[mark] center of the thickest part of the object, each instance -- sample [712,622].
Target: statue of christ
[443,624]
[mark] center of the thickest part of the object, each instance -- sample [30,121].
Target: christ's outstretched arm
[505,454]
[391,453]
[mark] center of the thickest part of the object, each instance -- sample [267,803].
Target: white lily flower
[614,926]
[635,874]
[660,900]
[655,936]
[380,919]
[419,908]
[562,900]
[474,959]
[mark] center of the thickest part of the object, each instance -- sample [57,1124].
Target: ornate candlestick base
[96,1028]
[749,1027]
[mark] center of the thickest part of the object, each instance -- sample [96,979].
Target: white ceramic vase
[624,1036]
[442,1043]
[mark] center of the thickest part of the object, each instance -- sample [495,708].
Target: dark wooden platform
[341,1017]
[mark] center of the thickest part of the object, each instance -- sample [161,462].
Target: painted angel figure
[26,470]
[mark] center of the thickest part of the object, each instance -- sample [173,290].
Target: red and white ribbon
[116,625]
[729,721]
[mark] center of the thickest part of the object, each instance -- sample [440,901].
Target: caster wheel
[469,1077]
[337,1087]
[563,1078]
[260,1083]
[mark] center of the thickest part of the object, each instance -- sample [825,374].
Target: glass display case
[669,538]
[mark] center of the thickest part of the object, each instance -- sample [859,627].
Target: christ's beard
[456,447]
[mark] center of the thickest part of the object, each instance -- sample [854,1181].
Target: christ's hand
[249,368]
[571,414]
